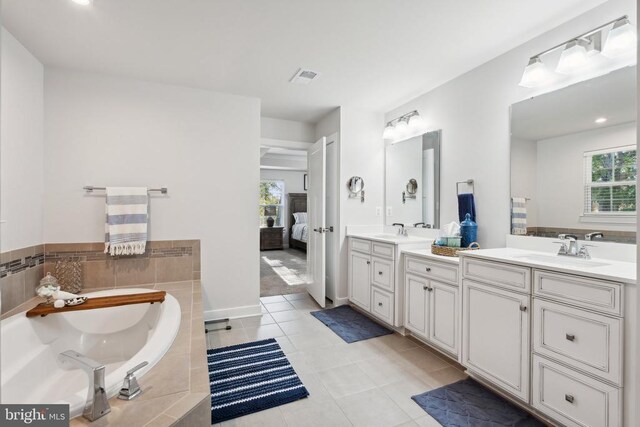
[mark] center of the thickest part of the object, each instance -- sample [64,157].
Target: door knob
[328,230]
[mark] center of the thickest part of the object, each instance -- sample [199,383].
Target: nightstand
[271,238]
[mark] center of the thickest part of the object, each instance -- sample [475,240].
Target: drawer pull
[428,269]
[425,287]
[368,262]
[430,289]
[380,273]
[570,337]
[568,398]
[523,308]
[379,304]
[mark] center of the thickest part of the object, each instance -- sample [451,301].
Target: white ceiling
[373,53]
[575,108]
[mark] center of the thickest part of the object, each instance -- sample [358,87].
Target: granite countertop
[594,268]
[175,392]
[426,253]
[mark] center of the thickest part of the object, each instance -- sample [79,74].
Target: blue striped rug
[248,378]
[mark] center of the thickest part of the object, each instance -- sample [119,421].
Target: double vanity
[554,334]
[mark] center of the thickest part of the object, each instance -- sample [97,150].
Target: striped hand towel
[127,216]
[519,216]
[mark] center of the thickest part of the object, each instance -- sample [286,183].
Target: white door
[316,217]
[360,279]
[443,316]
[495,335]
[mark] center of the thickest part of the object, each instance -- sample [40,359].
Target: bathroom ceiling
[372,53]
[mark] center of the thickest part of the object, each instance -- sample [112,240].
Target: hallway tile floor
[367,383]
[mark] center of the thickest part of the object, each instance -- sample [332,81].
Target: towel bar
[468,182]
[90,188]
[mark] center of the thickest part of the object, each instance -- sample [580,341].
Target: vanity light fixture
[576,52]
[403,126]
[622,39]
[600,120]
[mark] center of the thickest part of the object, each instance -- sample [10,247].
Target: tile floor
[367,383]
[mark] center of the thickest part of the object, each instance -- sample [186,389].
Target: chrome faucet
[574,249]
[97,404]
[130,387]
[595,234]
[420,223]
[401,231]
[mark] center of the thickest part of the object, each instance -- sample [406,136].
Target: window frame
[281,205]
[588,184]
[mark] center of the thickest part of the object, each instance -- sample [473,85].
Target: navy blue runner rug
[251,377]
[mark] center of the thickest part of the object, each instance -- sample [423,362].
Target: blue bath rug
[248,378]
[350,325]
[467,403]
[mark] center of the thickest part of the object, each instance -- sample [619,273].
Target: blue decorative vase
[468,231]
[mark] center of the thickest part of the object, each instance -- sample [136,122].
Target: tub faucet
[97,404]
[594,235]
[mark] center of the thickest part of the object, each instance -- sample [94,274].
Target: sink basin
[390,236]
[562,260]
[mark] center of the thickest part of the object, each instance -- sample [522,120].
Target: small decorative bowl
[75,301]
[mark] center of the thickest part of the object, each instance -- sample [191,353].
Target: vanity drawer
[361,245]
[587,341]
[498,274]
[432,269]
[382,273]
[382,249]
[382,304]
[583,292]
[572,398]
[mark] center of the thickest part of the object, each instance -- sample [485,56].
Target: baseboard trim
[232,313]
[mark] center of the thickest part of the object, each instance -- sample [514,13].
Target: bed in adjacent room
[298,230]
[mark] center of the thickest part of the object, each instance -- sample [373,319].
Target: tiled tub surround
[164,261]
[175,392]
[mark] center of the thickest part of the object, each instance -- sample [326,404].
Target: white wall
[473,112]
[293,183]
[202,145]
[288,130]
[524,175]
[561,175]
[21,146]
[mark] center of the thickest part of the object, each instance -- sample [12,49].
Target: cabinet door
[360,279]
[383,273]
[443,316]
[495,335]
[416,304]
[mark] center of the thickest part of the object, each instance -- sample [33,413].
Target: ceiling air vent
[304,77]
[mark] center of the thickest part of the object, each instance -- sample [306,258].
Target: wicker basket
[452,252]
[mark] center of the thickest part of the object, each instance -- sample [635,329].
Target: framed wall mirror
[573,160]
[412,181]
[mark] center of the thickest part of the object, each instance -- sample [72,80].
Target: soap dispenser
[468,231]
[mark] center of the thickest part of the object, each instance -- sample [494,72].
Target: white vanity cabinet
[432,302]
[496,322]
[373,276]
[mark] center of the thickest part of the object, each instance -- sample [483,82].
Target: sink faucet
[420,223]
[574,249]
[401,231]
[595,234]
[97,404]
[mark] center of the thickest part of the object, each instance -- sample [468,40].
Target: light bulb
[83,2]
[600,120]
[389,133]
[574,57]
[402,128]
[622,39]
[535,74]
[416,124]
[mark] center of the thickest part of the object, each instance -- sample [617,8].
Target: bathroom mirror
[412,181]
[355,184]
[573,160]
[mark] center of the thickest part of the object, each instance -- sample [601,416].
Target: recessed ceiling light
[83,2]
[600,120]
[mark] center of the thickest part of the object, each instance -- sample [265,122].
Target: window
[610,181]
[271,202]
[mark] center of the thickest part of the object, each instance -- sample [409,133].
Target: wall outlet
[389,211]
[378,211]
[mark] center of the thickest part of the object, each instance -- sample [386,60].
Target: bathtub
[118,337]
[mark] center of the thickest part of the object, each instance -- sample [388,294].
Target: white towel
[519,216]
[126,223]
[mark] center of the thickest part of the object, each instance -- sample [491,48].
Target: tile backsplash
[163,261]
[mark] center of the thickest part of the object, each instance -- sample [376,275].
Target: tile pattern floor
[367,383]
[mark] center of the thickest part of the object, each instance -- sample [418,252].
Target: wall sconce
[404,126]
[576,53]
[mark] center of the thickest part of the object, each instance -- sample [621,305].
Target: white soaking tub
[118,337]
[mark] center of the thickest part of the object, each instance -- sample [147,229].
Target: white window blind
[610,181]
